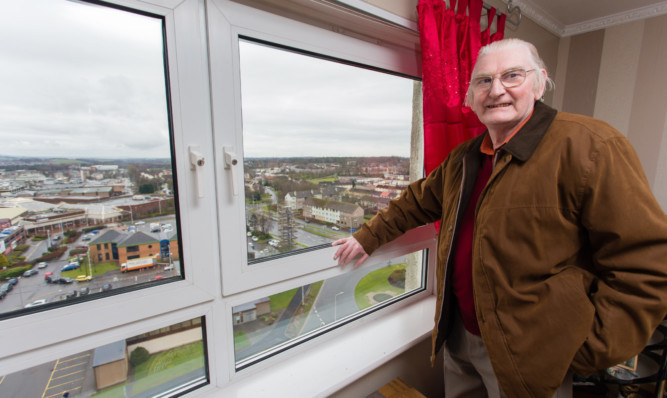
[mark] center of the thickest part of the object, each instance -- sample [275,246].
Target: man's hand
[349,249]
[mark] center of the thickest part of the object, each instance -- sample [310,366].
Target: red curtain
[450,40]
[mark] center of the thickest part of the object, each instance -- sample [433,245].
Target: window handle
[231,160]
[197,165]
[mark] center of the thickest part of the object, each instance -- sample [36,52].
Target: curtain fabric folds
[450,40]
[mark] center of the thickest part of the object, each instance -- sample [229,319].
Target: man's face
[499,108]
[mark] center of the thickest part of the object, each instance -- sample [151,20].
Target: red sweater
[462,275]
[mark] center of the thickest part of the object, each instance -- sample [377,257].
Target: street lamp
[335,305]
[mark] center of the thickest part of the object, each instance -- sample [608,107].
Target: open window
[314,132]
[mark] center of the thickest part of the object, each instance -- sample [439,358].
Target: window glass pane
[86,172]
[272,323]
[147,365]
[326,145]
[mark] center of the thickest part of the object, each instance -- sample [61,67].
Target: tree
[146,188]
[133,173]
[139,356]
[3,261]
[264,222]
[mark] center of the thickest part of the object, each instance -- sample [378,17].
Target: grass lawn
[376,282]
[160,367]
[323,179]
[281,300]
[98,269]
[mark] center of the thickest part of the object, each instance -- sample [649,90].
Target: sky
[79,80]
[297,105]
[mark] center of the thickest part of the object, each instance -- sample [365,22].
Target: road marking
[50,378]
[72,381]
[72,366]
[73,358]
[68,374]
[57,368]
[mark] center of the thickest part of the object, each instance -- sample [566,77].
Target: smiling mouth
[497,106]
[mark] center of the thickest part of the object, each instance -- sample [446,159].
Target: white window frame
[227,21]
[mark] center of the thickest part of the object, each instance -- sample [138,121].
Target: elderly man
[552,248]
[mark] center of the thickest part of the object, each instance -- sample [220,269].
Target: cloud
[296,105]
[88,80]
[81,80]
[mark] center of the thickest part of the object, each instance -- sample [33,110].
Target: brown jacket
[569,249]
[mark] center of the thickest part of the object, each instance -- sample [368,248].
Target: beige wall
[583,67]
[616,75]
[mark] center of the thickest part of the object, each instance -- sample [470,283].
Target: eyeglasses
[509,79]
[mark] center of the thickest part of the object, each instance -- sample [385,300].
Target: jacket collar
[524,142]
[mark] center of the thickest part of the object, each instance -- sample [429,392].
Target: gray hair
[537,63]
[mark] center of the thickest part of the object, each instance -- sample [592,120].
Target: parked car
[335,228]
[52,278]
[83,278]
[107,286]
[71,294]
[13,281]
[70,266]
[6,288]
[140,223]
[30,272]
[41,265]
[65,281]
[169,267]
[84,291]
[82,247]
[87,237]
[36,303]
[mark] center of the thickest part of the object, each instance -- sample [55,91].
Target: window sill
[326,368]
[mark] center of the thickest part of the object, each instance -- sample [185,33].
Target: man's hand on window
[348,250]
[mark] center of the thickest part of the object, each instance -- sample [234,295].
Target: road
[276,333]
[336,299]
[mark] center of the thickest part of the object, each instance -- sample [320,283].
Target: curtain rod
[381,14]
[510,11]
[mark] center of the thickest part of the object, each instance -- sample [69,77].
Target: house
[121,246]
[250,311]
[328,211]
[110,364]
[295,199]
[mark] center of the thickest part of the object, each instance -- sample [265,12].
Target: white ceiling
[570,17]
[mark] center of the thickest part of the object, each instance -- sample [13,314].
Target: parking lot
[32,289]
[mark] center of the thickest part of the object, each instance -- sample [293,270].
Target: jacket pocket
[544,323]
